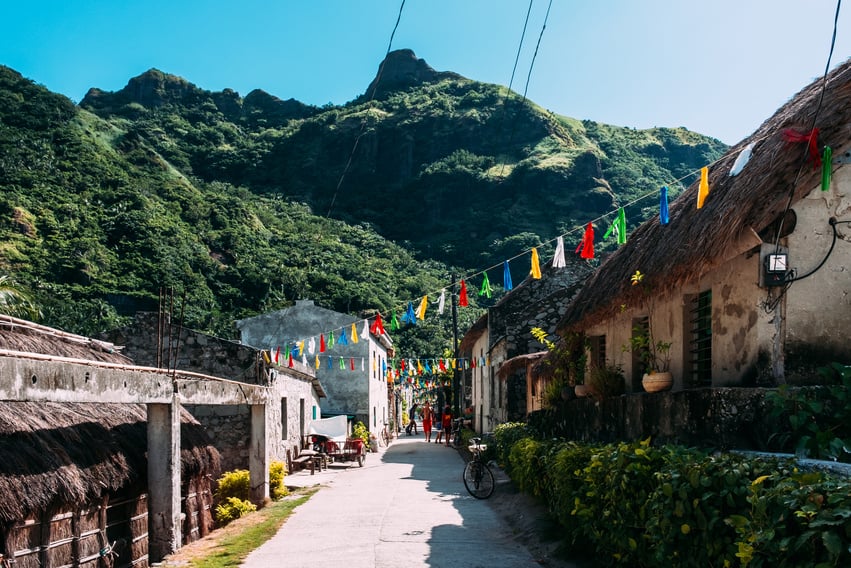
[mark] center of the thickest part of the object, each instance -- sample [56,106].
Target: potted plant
[654,354]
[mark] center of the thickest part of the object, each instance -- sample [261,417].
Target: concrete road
[407,507]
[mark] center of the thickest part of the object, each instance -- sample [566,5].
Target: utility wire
[366,115]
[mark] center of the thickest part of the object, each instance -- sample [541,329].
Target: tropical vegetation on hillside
[242,203]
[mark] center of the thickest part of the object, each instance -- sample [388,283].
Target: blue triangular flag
[343,340]
[409,316]
[506,276]
[663,206]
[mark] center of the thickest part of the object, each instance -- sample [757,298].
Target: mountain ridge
[229,197]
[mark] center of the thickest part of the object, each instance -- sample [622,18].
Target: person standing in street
[412,420]
[428,416]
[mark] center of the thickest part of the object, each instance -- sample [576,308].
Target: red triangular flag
[352,361]
[291,361]
[587,243]
[321,343]
[462,296]
[811,138]
[377,326]
[278,354]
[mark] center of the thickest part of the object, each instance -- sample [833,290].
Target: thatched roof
[26,336]
[473,334]
[58,453]
[698,240]
[519,362]
[55,454]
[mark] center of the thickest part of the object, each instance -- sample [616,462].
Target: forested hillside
[242,201]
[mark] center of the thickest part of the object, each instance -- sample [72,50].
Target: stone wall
[723,418]
[535,303]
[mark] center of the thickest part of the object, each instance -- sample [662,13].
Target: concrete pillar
[163,480]
[258,455]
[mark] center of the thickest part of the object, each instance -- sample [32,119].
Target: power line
[366,115]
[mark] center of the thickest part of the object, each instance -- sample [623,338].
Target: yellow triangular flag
[703,188]
[354,334]
[454,363]
[536,265]
[422,309]
[317,361]
[419,366]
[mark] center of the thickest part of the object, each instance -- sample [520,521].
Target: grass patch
[228,546]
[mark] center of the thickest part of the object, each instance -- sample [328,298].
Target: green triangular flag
[486,287]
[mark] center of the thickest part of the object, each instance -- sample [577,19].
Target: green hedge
[638,505]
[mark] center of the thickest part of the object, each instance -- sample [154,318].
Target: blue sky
[718,67]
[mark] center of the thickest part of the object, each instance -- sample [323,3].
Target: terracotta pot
[582,391]
[657,382]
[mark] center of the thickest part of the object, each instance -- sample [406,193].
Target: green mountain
[247,204]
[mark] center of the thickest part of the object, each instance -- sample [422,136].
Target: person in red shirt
[428,415]
[446,423]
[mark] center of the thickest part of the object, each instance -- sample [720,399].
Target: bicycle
[385,436]
[478,478]
[457,428]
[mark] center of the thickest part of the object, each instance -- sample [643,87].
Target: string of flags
[417,371]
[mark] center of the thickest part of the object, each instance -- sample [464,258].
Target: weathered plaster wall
[229,426]
[818,307]
[361,392]
[481,387]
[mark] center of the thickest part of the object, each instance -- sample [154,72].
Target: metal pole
[456,383]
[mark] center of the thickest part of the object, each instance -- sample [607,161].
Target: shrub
[606,381]
[233,484]
[233,508]
[360,431]
[277,489]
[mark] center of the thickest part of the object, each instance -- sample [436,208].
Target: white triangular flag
[441,301]
[558,259]
[311,345]
[365,332]
[742,160]
[362,364]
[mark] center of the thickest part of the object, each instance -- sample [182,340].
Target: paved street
[406,507]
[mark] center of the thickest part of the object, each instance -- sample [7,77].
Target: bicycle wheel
[478,479]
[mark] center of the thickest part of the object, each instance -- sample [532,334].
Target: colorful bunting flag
[703,187]
[352,363]
[278,354]
[441,301]
[506,277]
[317,361]
[377,326]
[486,287]
[329,362]
[536,265]
[811,138]
[394,321]
[321,343]
[342,365]
[330,343]
[826,168]
[311,346]
[462,296]
[410,317]
[742,160]
[354,333]
[421,310]
[290,364]
[586,245]
[618,227]
[558,257]
[301,348]
[664,217]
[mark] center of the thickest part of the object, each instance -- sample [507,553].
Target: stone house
[296,391]
[74,476]
[352,373]
[752,289]
[506,387]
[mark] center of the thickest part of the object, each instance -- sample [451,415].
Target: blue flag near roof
[410,316]
[506,275]
[343,339]
[664,218]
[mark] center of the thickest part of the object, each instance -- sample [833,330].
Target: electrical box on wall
[774,266]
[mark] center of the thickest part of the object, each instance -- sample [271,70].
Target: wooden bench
[313,459]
